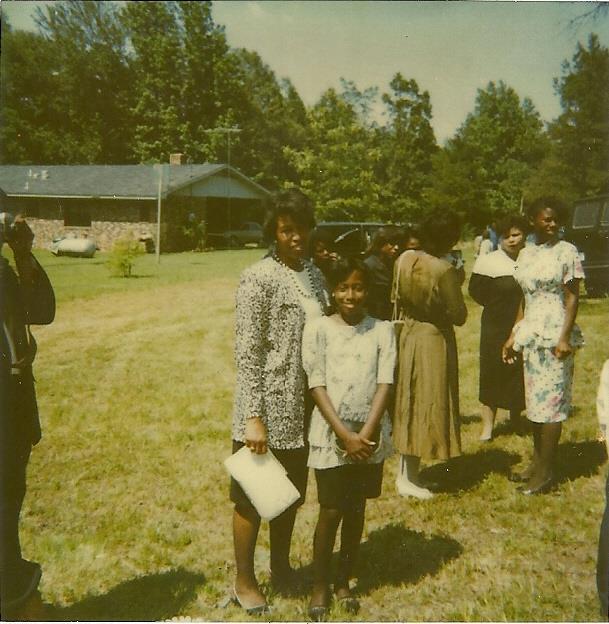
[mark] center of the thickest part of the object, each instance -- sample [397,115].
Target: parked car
[76,247]
[350,237]
[588,229]
[247,233]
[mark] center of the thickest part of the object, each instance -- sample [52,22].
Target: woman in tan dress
[429,299]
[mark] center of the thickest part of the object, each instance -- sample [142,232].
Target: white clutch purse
[264,481]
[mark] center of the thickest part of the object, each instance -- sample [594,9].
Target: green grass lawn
[127,508]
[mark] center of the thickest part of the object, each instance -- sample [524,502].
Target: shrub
[123,255]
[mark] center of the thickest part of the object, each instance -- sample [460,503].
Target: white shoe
[406,488]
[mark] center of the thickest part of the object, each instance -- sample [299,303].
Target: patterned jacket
[268,330]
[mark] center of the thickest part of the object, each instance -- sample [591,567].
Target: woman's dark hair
[556,204]
[406,233]
[293,203]
[512,221]
[384,235]
[343,267]
[440,230]
[321,236]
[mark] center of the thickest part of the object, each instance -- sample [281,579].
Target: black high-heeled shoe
[317,614]
[258,609]
[542,488]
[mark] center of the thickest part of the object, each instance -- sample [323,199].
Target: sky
[451,49]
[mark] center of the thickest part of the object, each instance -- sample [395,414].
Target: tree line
[99,83]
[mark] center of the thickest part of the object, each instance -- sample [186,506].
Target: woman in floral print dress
[548,271]
[275,297]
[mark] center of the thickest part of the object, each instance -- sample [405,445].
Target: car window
[605,213]
[586,214]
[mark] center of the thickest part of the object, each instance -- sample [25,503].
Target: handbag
[264,481]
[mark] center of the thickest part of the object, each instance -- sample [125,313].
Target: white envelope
[264,481]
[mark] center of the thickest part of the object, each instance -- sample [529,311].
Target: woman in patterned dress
[493,286]
[275,297]
[548,271]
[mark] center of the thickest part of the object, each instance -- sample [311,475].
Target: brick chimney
[175,159]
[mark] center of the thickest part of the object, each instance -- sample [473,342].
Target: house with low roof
[106,202]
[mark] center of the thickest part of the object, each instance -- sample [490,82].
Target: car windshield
[586,214]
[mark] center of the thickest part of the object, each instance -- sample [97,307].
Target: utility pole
[228,132]
[161,168]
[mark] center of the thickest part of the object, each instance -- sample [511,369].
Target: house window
[76,217]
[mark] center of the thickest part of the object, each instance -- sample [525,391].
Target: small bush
[123,255]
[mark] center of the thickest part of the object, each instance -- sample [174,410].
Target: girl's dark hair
[440,230]
[512,221]
[384,235]
[293,203]
[343,267]
[321,236]
[556,204]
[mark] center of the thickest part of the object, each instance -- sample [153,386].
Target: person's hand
[255,435]
[562,349]
[508,355]
[21,242]
[358,448]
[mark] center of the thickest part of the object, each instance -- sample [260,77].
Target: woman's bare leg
[246,523]
[488,414]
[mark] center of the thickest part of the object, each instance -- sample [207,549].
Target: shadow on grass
[506,428]
[468,419]
[148,598]
[579,459]
[467,471]
[394,555]
[133,276]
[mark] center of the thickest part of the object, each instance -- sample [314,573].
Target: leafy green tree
[409,143]
[29,111]
[92,81]
[271,116]
[210,82]
[157,59]
[484,167]
[581,132]
[66,89]
[337,165]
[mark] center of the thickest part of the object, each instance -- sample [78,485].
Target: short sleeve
[386,353]
[602,397]
[314,352]
[572,266]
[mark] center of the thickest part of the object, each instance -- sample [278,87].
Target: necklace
[295,280]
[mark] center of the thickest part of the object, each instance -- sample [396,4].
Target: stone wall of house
[104,233]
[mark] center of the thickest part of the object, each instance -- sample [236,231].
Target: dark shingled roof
[134,181]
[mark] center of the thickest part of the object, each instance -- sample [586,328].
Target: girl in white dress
[349,359]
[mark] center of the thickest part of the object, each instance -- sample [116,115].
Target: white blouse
[349,361]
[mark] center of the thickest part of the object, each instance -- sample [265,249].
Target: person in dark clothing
[322,250]
[381,255]
[492,285]
[602,562]
[26,298]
